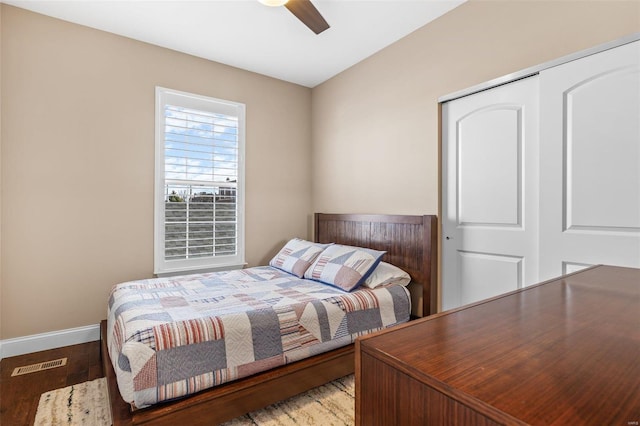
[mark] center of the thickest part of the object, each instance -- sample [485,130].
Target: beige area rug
[87,404]
[82,404]
[328,405]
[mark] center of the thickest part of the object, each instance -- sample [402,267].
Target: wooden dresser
[566,351]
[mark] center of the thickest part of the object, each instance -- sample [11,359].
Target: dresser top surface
[567,350]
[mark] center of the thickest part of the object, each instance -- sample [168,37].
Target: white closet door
[490,178]
[590,162]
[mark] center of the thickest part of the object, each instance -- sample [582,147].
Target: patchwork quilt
[171,337]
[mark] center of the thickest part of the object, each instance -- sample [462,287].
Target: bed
[409,242]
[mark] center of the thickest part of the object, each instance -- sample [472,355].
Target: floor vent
[39,367]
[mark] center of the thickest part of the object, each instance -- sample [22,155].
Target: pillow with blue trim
[345,267]
[296,256]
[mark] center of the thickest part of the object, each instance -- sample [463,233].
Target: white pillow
[385,273]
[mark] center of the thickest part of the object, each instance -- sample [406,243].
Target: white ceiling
[251,36]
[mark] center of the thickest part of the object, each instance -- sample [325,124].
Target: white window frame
[163,267]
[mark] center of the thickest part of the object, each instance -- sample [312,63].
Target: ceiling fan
[304,10]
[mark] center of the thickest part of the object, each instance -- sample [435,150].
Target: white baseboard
[51,340]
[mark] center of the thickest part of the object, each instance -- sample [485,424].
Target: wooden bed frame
[410,243]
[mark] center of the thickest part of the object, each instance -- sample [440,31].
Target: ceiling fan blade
[306,12]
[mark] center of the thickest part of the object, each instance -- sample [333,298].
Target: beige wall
[78,159]
[375,126]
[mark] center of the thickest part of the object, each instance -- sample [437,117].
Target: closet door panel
[590,162]
[602,151]
[490,157]
[487,275]
[489,166]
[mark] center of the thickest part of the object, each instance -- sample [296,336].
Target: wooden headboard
[410,243]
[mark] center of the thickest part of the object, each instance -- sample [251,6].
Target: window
[199,196]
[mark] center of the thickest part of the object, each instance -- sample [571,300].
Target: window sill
[199,270]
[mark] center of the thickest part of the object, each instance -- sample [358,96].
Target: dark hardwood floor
[19,395]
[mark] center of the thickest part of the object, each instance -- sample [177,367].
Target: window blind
[200,183]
